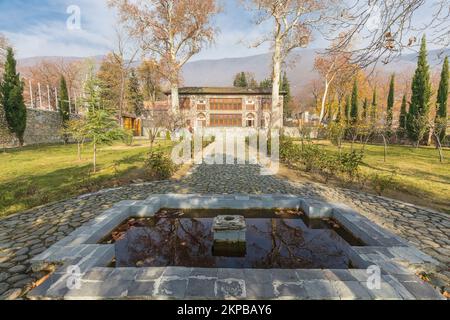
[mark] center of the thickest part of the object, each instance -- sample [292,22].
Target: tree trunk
[439,147]
[324,98]
[121,98]
[175,97]
[385,148]
[79,151]
[276,76]
[95,158]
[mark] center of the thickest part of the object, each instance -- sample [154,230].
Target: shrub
[159,165]
[380,182]
[128,137]
[168,136]
[350,162]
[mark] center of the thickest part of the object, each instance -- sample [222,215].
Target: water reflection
[271,243]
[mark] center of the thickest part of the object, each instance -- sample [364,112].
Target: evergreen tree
[374,108]
[420,98]
[63,101]
[348,107]
[390,104]
[403,114]
[135,99]
[266,84]
[354,113]
[365,110]
[442,100]
[11,98]
[339,113]
[63,105]
[240,81]
[286,88]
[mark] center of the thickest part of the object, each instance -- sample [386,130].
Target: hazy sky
[38,28]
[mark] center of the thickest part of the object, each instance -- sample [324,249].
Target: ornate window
[250,121]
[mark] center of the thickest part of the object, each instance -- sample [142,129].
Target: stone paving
[25,235]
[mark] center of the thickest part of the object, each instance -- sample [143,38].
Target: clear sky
[38,28]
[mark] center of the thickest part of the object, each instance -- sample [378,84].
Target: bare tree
[293,22]
[124,56]
[385,28]
[171,30]
[332,65]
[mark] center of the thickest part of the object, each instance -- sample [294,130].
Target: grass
[37,175]
[419,176]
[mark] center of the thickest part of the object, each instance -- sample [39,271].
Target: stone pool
[163,248]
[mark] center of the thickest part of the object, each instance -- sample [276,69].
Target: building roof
[224,90]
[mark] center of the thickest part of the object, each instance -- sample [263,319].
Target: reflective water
[272,242]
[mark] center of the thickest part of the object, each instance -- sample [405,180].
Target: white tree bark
[324,99]
[276,76]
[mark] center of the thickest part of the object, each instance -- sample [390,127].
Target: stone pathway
[27,234]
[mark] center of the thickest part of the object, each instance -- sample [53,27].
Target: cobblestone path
[27,234]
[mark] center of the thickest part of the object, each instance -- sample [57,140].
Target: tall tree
[374,107]
[109,77]
[348,109]
[11,98]
[442,100]
[403,113]
[135,100]
[293,21]
[64,106]
[354,112]
[390,104]
[172,30]
[286,89]
[150,77]
[63,101]
[365,114]
[420,98]
[332,66]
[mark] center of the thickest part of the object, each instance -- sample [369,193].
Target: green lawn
[37,175]
[420,177]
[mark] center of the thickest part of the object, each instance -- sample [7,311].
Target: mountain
[221,72]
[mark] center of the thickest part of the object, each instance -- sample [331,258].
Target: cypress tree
[135,98]
[286,88]
[365,109]
[348,107]
[354,112]
[420,98]
[442,99]
[11,98]
[390,104]
[339,113]
[373,114]
[63,103]
[403,114]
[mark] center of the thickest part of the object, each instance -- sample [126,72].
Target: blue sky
[38,28]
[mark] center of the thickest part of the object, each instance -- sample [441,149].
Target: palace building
[221,107]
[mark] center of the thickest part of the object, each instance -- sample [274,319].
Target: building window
[226,120]
[250,121]
[226,104]
[201,121]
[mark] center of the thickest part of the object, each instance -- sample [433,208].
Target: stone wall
[43,126]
